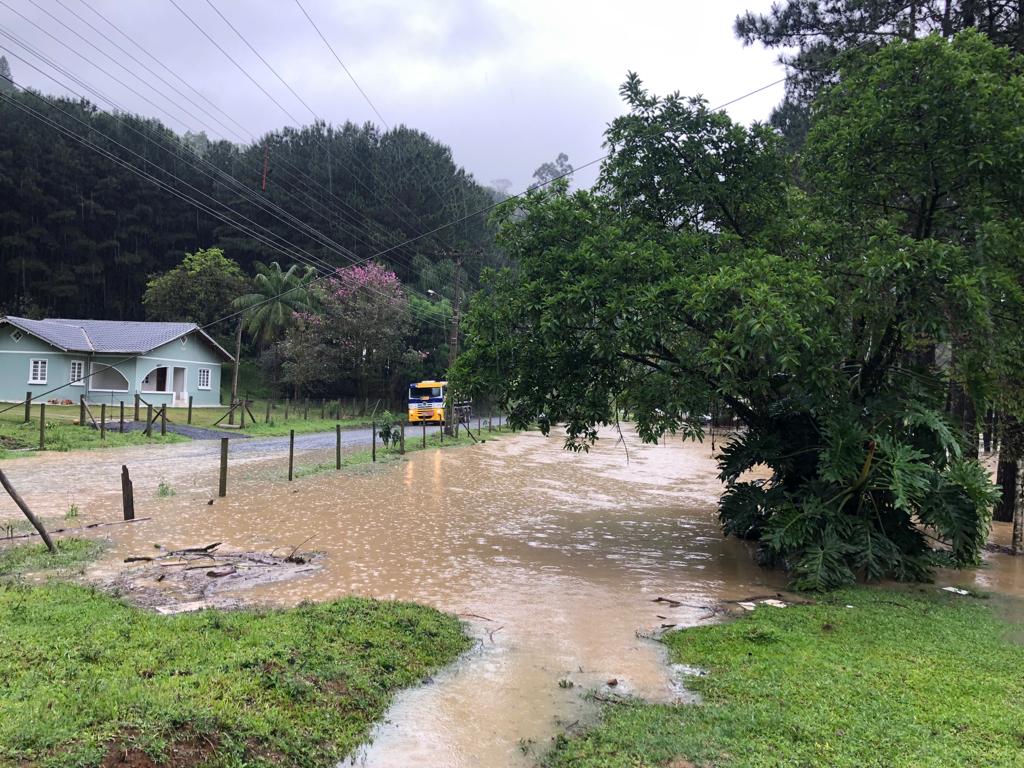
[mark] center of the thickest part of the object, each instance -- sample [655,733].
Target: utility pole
[453,342]
[234,376]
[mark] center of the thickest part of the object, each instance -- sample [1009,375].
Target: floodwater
[554,559]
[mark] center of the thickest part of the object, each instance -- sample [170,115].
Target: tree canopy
[828,317]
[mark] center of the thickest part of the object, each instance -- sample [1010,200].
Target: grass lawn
[63,436]
[88,680]
[902,678]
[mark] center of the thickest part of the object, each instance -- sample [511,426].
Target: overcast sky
[508,85]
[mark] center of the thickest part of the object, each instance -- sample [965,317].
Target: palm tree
[277,295]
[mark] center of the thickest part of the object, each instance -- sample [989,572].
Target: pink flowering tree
[356,338]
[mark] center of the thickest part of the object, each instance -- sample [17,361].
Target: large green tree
[815,34]
[199,289]
[822,317]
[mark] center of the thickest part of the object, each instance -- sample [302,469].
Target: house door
[180,396]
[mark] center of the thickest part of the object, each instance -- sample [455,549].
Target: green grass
[84,674]
[27,558]
[900,679]
[63,436]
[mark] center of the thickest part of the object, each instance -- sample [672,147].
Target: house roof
[109,336]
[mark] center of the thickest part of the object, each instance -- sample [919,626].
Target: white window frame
[76,381]
[44,368]
[209,378]
[17,335]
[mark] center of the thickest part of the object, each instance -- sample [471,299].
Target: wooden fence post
[401,438]
[337,446]
[42,426]
[189,409]
[36,523]
[241,424]
[424,425]
[81,410]
[163,420]
[103,421]
[266,419]
[223,490]
[28,407]
[373,440]
[127,494]
[149,420]
[291,454]
[122,417]
[136,415]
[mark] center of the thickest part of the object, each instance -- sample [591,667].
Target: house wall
[194,354]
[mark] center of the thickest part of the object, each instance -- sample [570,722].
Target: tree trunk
[1017,542]
[1008,472]
[36,523]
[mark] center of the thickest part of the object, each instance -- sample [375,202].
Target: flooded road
[554,559]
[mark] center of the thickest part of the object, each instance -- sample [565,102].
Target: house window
[204,378]
[37,372]
[17,336]
[77,374]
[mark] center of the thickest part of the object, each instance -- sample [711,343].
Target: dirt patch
[201,577]
[184,753]
[12,443]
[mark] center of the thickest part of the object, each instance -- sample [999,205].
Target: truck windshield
[420,393]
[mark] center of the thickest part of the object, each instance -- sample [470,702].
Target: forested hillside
[80,234]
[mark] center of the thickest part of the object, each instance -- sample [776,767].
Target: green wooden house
[109,361]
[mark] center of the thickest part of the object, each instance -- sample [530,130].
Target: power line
[350,215]
[322,239]
[347,72]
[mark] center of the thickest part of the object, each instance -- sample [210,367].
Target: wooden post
[305,410]
[163,421]
[291,454]
[266,419]
[149,419]
[287,402]
[26,511]
[373,441]
[127,494]
[488,423]
[241,424]
[136,415]
[122,417]
[424,425]
[401,438]
[478,430]
[337,446]
[189,409]
[81,410]
[42,426]
[103,421]
[323,411]
[223,490]
[28,407]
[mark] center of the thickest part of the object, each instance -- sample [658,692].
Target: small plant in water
[566,683]
[163,490]
[72,512]
[388,431]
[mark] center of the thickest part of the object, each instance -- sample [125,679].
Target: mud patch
[196,578]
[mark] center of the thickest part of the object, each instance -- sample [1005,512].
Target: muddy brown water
[554,560]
